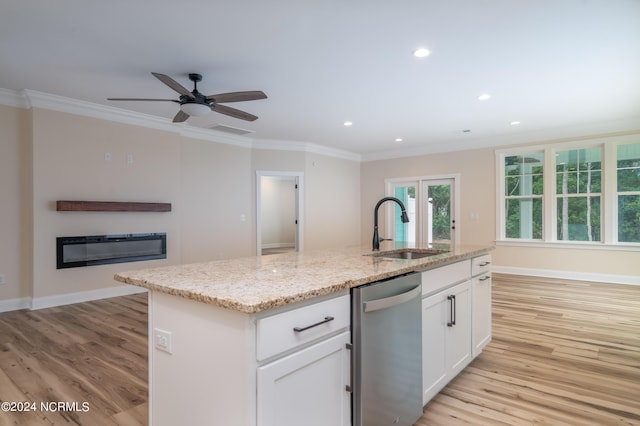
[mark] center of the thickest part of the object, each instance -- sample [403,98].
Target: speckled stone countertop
[255,284]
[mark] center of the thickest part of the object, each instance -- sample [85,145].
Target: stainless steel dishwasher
[387,352]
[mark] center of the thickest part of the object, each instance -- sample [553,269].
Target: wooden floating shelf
[110,206]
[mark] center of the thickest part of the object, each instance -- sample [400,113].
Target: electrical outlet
[129,158]
[163,341]
[2,279]
[107,156]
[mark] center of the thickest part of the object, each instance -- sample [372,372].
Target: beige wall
[331,194]
[15,206]
[332,202]
[478,195]
[69,164]
[477,187]
[47,155]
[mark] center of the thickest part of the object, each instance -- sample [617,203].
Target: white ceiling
[560,67]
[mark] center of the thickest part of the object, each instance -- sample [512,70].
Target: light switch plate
[2,279]
[162,340]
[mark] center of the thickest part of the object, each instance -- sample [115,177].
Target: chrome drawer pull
[486,277]
[299,329]
[484,264]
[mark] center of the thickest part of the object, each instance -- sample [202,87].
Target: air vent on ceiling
[229,129]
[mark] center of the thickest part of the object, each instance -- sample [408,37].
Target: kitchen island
[221,346]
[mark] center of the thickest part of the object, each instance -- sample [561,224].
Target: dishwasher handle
[387,302]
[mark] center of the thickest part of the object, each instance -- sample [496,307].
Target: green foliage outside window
[628,181]
[579,194]
[523,196]
[578,186]
[440,196]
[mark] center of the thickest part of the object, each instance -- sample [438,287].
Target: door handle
[452,310]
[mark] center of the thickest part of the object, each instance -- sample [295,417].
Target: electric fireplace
[73,252]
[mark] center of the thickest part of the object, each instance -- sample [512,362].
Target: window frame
[609,194]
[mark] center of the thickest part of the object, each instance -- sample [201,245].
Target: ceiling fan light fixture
[195,109]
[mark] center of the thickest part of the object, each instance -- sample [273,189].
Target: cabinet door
[434,352]
[446,337]
[459,333]
[307,387]
[481,312]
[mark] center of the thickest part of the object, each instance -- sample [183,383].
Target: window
[585,193]
[523,196]
[628,194]
[578,185]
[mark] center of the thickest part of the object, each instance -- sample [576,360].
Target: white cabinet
[446,337]
[481,296]
[307,387]
[306,366]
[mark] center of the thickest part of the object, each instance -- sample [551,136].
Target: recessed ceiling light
[348,123]
[421,52]
[398,139]
[515,123]
[484,97]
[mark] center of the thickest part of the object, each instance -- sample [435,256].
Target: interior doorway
[278,212]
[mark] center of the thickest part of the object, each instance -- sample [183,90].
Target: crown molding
[309,147]
[13,99]
[552,135]
[27,99]
[30,98]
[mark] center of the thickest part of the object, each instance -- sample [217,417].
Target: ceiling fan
[196,104]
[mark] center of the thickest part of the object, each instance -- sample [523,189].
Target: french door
[431,206]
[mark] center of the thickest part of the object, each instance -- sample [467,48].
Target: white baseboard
[68,298]
[84,296]
[278,245]
[568,275]
[15,304]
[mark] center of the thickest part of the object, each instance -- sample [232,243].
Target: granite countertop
[255,284]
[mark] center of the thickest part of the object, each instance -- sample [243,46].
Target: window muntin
[524,188]
[598,204]
[578,186]
[628,192]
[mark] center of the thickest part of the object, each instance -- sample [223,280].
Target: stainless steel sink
[409,253]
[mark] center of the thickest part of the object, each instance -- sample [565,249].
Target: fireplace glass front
[73,252]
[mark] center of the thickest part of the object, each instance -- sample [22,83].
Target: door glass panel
[405,232]
[439,213]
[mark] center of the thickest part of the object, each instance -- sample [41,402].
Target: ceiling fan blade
[173,84]
[232,112]
[250,95]
[180,117]
[141,99]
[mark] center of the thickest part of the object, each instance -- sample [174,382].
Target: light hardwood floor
[563,353]
[93,353]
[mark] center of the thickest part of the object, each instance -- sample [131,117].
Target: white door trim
[299,206]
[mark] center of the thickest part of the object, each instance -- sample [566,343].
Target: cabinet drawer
[481,265]
[439,278]
[281,332]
